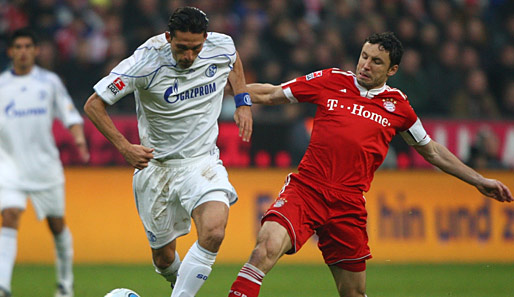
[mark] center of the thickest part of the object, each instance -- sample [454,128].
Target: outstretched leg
[272,243]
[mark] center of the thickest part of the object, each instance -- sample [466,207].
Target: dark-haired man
[178,79]
[357,116]
[30,100]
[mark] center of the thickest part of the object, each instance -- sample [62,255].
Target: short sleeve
[123,80]
[64,108]
[305,88]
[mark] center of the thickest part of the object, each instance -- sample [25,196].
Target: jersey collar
[368,93]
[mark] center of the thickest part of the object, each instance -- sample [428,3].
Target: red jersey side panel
[352,127]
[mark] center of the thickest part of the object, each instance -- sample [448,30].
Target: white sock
[64,261]
[170,272]
[8,249]
[193,271]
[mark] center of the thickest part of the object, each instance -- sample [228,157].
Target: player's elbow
[90,106]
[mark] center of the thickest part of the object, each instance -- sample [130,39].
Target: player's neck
[22,70]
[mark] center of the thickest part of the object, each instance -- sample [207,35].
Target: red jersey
[352,127]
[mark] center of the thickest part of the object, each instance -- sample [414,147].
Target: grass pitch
[384,280]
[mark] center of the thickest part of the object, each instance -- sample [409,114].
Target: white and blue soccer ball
[122,292]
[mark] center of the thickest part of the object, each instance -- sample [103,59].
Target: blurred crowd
[458,60]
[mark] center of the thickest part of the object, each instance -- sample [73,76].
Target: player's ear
[168,36]
[392,71]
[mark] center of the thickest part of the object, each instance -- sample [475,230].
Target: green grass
[384,280]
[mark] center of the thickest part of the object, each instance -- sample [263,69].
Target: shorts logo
[211,70]
[116,86]
[280,202]
[151,236]
[389,104]
[314,75]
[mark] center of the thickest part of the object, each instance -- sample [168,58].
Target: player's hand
[495,189]
[137,155]
[83,152]
[244,121]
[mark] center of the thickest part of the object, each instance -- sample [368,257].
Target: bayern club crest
[389,104]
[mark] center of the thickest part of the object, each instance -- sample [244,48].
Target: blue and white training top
[177,109]
[29,159]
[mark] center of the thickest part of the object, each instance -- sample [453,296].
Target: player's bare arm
[77,131]
[243,113]
[136,155]
[267,94]
[439,156]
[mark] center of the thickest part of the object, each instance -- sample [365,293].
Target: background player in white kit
[30,100]
[178,79]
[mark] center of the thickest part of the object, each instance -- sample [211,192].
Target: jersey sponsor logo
[11,111]
[389,104]
[211,70]
[171,90]
[190,94]
[314,75]
[116,86]
[359,110]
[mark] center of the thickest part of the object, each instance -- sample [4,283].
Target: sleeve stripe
[289,95]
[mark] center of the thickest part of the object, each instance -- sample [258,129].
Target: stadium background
[458,71]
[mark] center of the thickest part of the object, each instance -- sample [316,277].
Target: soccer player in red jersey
[357,116]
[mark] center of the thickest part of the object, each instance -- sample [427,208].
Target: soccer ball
[122,292]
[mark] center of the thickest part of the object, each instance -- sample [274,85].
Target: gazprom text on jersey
[193,93]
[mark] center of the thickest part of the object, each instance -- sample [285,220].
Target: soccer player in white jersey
[30,100]
[178,79]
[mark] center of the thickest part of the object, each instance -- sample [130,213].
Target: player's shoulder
[5,74]
[45,75]
[395,93]
[149,56]
[332,76]
[341,73]
[153,44]
[218,44]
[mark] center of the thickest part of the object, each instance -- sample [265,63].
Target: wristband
[243,99]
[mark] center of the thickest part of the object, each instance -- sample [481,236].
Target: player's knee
[268,250]
[212,238]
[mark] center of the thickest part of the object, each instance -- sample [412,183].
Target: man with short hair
[30,100]
[178,78]
[357,116]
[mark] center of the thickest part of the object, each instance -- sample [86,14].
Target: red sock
[248,282]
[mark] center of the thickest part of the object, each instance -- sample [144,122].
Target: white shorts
[47,203]
[167,192]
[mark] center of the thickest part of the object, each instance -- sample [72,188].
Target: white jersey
[177,109]
[29,158]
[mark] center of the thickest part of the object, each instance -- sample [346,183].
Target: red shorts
[337,217]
